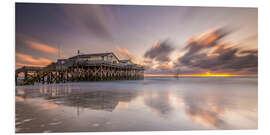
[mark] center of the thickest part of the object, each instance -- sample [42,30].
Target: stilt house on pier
[83,67]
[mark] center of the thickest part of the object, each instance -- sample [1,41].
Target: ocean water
[153,104]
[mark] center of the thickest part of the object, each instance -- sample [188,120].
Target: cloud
[125,54]
[24,60]
[89,17]
[158,59]
[208,52]
[161,58]
[41,47]
[205,40]
[160,51]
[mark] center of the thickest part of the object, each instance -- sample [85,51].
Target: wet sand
[152,104]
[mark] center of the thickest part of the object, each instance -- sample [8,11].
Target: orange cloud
[124,53]
[205,38]
[42,47]
[210,39]
[18,65]
[26,60]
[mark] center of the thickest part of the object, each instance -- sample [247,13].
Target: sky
[165,39]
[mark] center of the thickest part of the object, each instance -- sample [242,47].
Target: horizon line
[207,74]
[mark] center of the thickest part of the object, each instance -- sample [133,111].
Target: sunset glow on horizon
[206,74]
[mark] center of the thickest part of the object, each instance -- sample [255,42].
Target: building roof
[93,55]
[125,61]
[90,55]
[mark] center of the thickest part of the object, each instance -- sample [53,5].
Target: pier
[85,67]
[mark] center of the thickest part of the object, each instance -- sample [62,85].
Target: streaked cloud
[205,52]
[208,52]
[25,59]
[160,51]
[89,17]
[41,47]
[159,58]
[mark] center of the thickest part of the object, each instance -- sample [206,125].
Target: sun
[209,74]
[206,74]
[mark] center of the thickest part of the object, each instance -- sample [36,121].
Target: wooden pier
[89,67]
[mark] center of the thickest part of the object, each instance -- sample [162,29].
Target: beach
[152,104]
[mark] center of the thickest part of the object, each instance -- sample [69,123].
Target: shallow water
[152,104]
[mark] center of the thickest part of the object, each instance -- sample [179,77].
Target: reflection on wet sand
[197,109]
[158,101]
[207,106]
[210,108]
[209,117]
[49,105]
[140,106]
[19,99]
[54,101]
[65,95]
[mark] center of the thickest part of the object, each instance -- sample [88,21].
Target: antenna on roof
[58,51]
